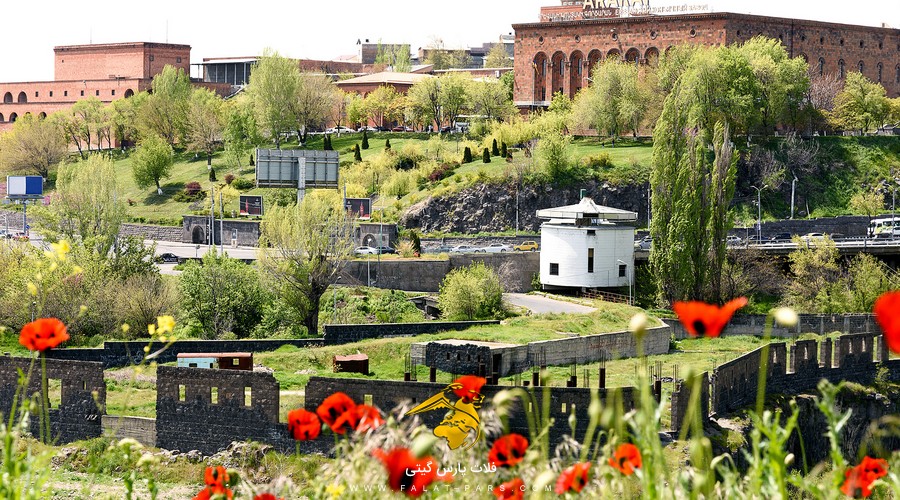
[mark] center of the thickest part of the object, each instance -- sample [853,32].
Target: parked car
[365,250]
[401,129]
[495,248]
[733,241]
[781,237]
[20,236]
[366,128]
[167,257]
[338,130]
[812,237]
[439,249]
[384,250]
[526,246]
[462,249]
[644,243]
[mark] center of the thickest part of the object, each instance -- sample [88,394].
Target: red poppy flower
[700,318]
[43,334]
[510,490]
[303,425]
[471,387]
[216,477]
[338,411]
[858,480]
[626,458]
[574,478]
[267,496]
[887,313]
[367,418]
[508,450]
[406,473]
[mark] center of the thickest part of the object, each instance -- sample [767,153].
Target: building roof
[385,77]
[182,355]
[586,209]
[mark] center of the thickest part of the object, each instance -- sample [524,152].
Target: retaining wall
[753,324]
[344,334]
[141,429]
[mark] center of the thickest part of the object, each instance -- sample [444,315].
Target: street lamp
[759,212]
[630,279]
[793,185]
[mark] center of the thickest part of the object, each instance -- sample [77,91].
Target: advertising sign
[360,207]
[296,168]
[25,187]
[251,205]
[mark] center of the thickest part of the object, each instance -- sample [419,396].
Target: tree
[206,122]
[489,98]
[273,87]
[125,117]
[424,99]
[88,209]
[497,57]
[315,99]
[600,106]
[486,156]
[383,104]
[862,104]
[442,58]
[32,146]
[222,295]
[394,56]
[152,161]
[467,155]
[357,155]
[470,293]
[868,203]
[454,95]
[495,150]
[87,121]
[165,111]
[303,249]
[780,81]
[693,177]
[365,140]
[241,133]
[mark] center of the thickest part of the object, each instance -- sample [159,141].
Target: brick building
[556,53]
[107,71]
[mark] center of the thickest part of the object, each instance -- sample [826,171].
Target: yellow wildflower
[77,269]
[151,329]
[61,249]
[335,490]
[166,324]
[82,310]
[32,289]
[125,327]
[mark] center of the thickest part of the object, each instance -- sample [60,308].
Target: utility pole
[793,186]
[759,212]
[221,223]
[893,200]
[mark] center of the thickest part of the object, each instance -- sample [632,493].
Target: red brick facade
[557,56]
[105,71]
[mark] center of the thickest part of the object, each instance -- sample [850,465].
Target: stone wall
[196,230]
[150,232]
[387,395]
[681,400]
[141,429]
[753,324]
[794,368]
[345,334]
[205,410]
[846,225]
[77,413]
[123,353]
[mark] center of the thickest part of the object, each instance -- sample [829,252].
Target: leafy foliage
[470,293]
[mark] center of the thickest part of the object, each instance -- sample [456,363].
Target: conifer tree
[387,144]
[467,155]
[357,156]
[486,156]
[365,143]
[494,150]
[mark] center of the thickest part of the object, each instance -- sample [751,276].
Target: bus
[883,228]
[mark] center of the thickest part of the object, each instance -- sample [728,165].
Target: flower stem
[764,365]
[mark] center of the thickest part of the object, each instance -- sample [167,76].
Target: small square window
[114,92]
[151,57]
[97,93]
[623,270]
[248,396]
[235,361]
[182,393]
[51,93]
[36,93]
[178,60]
[214,395]
[65,93]
[82,93]
[554,269]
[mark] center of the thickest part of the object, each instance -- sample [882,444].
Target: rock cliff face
[492,207]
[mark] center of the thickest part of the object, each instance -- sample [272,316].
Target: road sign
[359,207]
[251,205]
[24,187]
[282,168]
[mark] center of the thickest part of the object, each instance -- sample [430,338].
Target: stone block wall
[141,429]
[82,401]
[115,354]
[387,395]
[681,400]
[753,324]
[344,334]
[151,232]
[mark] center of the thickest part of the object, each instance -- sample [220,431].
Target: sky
[320,29]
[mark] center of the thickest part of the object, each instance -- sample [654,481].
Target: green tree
[87,121]
[151,162]
[553,154]
[454,95]
[125,117]
[471,293]
[32,146]
[88,209]
[241,133]
[424,100]
[467,155]
[165,111]
[497,57]
[395,56]
[495,150]
[862,104]
[817,286]
[489,98]
[868,203]
[303,250]
[486,156]
[383,104]
[221,295]
[315,99]
[206,122]
[357,155]
[273,87]
[780,82]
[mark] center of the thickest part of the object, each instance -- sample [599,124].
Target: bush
[357,156]
[470,293]
[192,188]
[365,141]
[242,184]
[486,156]
[212,174]
[504,152]
[387,144]
[467,155]
[495,151]
[229,178]
[326,144]
[192,192]
[443,171]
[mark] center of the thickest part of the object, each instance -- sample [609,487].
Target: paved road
[190,250]
[539,304]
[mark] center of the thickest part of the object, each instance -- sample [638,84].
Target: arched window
[23,99]
[897,77]
[652,56]
[42,115]
[633,55]
[821,66]
[12,117]
[879,69]
[1,117]
[613,53]
[7,98]
[841,68]
[129,93]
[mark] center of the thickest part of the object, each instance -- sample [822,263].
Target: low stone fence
[345,334]
[753,324]
[141,429]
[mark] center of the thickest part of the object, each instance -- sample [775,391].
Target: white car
[338,130]
[367,128]
[733,241]
[463,249]
[365,251]
[495,248]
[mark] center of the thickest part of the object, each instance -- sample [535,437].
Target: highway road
[539,304]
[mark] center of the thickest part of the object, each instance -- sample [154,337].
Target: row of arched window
[861,67]
[22,98]
[14,116]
